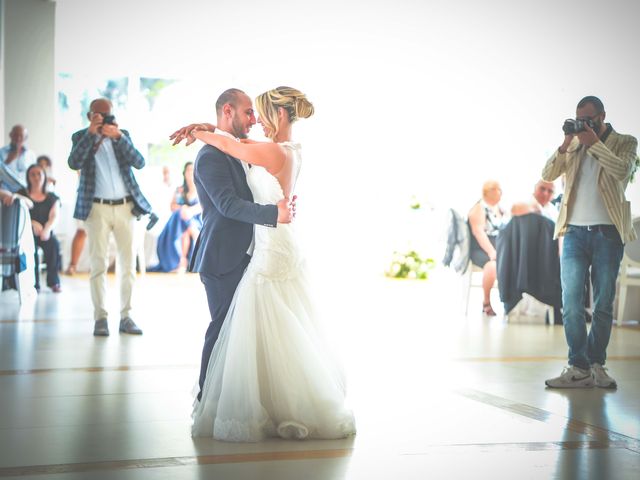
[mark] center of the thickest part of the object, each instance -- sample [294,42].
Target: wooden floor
[436,394]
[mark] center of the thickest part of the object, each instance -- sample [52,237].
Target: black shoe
[129,326]
[101,328]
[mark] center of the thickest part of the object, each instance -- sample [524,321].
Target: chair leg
[467,287]
[20,291]
[622,300]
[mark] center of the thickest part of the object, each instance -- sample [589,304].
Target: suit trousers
[220,290]
[102,221]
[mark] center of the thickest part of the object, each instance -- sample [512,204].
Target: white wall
[2,65]
[28,71]
[426,98]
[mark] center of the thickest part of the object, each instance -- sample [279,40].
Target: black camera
[572,126]
[108,119]
[138,213]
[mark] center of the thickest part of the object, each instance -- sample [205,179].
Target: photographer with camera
[109,200]
[595,220]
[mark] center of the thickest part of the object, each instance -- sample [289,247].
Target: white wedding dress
[271,372]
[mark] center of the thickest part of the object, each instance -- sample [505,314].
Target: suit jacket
[82,157]
[528,262]
[228,213]
[615,153]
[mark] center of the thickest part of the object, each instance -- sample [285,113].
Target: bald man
[15,159]
[540,203]
[107,196]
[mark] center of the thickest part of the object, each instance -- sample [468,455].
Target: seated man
[539,203]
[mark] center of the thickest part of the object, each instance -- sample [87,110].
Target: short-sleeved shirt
[40,210]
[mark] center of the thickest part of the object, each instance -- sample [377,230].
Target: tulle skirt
[271,372]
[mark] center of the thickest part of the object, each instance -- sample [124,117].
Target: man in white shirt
[542,194]
[595,220]
[16,158]
[108,196]
[540,202]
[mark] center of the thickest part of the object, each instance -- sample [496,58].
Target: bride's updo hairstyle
[293,101]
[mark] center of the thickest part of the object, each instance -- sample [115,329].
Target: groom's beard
[238,129]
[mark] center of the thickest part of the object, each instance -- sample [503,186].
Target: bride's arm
[185,132]
[265,154]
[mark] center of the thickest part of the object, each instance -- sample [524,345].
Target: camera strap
[96,145]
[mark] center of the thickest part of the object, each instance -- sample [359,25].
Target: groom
[225,243]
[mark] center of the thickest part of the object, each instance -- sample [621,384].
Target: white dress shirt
[109,183]
[20,164]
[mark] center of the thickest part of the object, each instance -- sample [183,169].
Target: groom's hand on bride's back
[286,209]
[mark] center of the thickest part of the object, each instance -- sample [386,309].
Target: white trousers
[102,221]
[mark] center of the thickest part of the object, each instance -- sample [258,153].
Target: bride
[271,372]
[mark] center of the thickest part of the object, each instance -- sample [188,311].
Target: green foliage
[152,87]
[410,265]
[165,154]
[634,169]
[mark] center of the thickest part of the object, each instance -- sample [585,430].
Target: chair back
[457,252]
[632,249]
[12,224]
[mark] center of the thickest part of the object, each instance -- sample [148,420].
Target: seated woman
[179,235]
[485,219]
[45,162]
[44,215]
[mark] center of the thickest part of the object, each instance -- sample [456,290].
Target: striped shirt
[615,155]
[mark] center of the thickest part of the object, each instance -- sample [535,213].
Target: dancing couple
[267,369]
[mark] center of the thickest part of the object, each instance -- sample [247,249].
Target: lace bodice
[264,186]
[276,254]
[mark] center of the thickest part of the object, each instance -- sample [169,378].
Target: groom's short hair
[229,96]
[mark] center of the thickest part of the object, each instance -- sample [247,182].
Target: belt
[119,201]
[595,228]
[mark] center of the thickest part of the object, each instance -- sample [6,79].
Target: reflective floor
[436,394]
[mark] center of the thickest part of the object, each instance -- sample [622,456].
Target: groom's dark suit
[228,216]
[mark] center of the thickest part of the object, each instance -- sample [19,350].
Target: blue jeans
[600,248]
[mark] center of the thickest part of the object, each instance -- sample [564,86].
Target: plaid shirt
[82,157]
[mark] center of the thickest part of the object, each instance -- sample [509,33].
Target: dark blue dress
[169,245]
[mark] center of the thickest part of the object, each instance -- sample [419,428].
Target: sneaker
[573,377]
[603,380]
[129,326]
[101,328]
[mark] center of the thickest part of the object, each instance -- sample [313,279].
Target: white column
[27,71]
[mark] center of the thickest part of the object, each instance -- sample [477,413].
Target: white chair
[629,271]
[468,283]
[26,279]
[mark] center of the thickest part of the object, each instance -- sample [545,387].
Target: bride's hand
[193,135]
[186,133]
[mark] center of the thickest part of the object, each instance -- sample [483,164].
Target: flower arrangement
[415,203]
[410,265]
